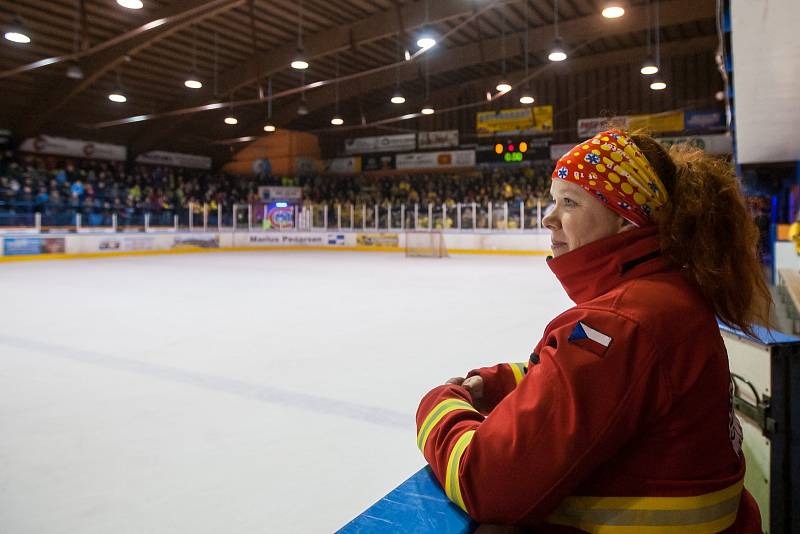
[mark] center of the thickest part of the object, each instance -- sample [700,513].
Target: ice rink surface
[237,392]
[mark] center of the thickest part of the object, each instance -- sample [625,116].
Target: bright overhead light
[299,61]
[397,98]
[503,87]
[658,85]
[193,83]
[649,67]
[16,37]
[337,121]
[426,110]
[613,10]
[302,109]
[16,32]
[526,99]
[425,42]
[131,4]
[231,120]
[117,96]
[557,52]
[407,55]
[269,128]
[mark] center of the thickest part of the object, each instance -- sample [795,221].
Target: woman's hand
[474,386]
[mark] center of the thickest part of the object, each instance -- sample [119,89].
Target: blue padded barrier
[418,505]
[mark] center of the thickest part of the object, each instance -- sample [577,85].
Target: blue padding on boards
[763,335]
[418,505]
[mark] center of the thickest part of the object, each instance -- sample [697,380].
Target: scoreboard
[514,150]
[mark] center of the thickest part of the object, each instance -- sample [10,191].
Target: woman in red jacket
[621,420]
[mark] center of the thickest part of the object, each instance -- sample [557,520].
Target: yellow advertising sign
[660,122]
[538,119]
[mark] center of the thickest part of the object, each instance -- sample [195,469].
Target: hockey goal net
[425,245]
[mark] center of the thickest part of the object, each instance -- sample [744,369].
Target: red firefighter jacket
[621,420]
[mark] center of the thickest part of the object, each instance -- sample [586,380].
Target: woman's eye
[569,202]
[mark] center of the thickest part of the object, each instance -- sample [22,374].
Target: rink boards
[27,246]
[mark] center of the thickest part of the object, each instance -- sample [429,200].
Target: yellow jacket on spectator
[794,235]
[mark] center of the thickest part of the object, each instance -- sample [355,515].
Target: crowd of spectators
[521,184]
[52,185]
[48,184]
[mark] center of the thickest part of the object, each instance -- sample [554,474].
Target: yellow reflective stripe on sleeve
[452,485]
[700,514]
[519,371]
[436,415]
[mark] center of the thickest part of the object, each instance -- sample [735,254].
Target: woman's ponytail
[707,229]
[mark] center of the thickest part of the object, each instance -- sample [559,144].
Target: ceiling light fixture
[131,4]
[526,97]
[193,81]
[658,84]
[613,10]
[426,39]
[74,71]
[117,94]
[557,53]
[649,67]
[299,62]
[17,32]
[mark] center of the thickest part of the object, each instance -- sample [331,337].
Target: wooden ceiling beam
[372,28]
[176,16]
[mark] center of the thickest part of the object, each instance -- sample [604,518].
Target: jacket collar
[594,269]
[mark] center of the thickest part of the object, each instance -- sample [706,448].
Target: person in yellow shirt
[794,233]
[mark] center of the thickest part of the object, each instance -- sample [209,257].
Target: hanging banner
[174,159]
[720,144]
[280,193]
[531,121]
[441,139]
[349,165]
[436,160]
[658,122]
[383,143]
[377,162]
[60,146]
[704,120]
[595,125]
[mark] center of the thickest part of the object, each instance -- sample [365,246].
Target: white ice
[237,392]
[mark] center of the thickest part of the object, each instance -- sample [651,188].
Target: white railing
[420,217]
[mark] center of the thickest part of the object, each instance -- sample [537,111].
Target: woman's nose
[550,220]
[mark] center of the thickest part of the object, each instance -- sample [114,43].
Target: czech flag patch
[590,339]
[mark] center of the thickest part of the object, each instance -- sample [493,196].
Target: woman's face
[577,218]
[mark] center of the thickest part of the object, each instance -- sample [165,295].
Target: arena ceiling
[239,47]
